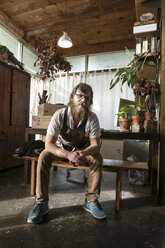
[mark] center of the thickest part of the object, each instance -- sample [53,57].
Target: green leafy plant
[137,108]
[125,112]
[129,74]
[49,60]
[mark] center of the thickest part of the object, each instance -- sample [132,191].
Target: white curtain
[105,101]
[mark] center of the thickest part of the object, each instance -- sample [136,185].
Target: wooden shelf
[149,55]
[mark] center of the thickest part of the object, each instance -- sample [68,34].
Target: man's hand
[76,158]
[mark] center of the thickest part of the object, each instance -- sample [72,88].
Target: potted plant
[129,74]
[124,118]
[137,112]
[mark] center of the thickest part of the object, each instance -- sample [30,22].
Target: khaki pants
[43,174]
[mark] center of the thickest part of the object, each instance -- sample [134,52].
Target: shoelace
[98,205]
[37,207]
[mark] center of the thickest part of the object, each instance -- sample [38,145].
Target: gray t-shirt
[92,128]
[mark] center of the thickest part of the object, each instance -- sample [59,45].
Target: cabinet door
[20,98]
[2,148]
[9,146]
[15,137]
[5,95]
[11,137]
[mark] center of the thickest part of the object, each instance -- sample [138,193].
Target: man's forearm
[57,151]
[91,150]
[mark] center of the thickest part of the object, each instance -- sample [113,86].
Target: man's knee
[45,157]
[96,161]
[98,158]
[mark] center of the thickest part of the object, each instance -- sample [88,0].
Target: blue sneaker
[95,209]
[40,209]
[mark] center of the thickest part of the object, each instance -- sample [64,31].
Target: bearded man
[73,134]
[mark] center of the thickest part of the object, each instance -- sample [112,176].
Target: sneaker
[40,209]
[95,209]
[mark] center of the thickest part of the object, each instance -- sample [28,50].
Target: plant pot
[137,119]
[148,115]
[125,125]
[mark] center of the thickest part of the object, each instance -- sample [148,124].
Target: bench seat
[109,165]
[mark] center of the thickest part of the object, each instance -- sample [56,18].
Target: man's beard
[78,111]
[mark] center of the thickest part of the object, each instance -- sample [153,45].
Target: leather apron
[73,139]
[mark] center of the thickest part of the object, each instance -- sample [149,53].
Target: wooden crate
[49,109]
[39,121]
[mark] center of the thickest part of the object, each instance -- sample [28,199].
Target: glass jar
[138,46]
[153,44]
[145,45]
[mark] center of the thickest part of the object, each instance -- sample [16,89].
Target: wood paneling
[162,115]
[20,99]
[14,112]
[2,147]
[93,25]
[5,95]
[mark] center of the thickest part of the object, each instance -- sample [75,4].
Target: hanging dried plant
[50,61]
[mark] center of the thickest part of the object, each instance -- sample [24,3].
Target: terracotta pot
[125,125]
[137,120]
[148,115]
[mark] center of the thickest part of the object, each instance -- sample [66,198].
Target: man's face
[80,105]
[83,99]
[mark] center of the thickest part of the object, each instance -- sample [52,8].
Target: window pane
[78,63]
[108,60]
[28,59]
[9,41]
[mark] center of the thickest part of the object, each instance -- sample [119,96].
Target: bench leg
[33,177]
[118,189]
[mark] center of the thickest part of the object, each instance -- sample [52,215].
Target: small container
[158,45]
[145,45]
[138,46]
[153,44]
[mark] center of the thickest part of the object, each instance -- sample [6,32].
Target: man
[73,134]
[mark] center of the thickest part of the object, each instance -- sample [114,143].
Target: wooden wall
[161,193]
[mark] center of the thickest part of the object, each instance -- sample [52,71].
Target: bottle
[158,45]
[153,44]
[145,45]
[138,46]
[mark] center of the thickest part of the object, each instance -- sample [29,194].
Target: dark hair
[83,87]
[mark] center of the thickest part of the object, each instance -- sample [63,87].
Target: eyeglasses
[81,96]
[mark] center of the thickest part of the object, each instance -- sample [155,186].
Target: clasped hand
[77,158]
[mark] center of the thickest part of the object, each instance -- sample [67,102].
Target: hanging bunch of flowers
[49,60]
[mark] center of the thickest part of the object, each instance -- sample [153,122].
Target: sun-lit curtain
[105,101]
[37,86]
[58,91]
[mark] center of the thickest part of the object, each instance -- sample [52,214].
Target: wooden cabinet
[20,94]
[14,112]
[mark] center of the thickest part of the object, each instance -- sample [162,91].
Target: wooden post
[161,193]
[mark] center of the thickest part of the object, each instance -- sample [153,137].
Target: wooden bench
[109,165]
